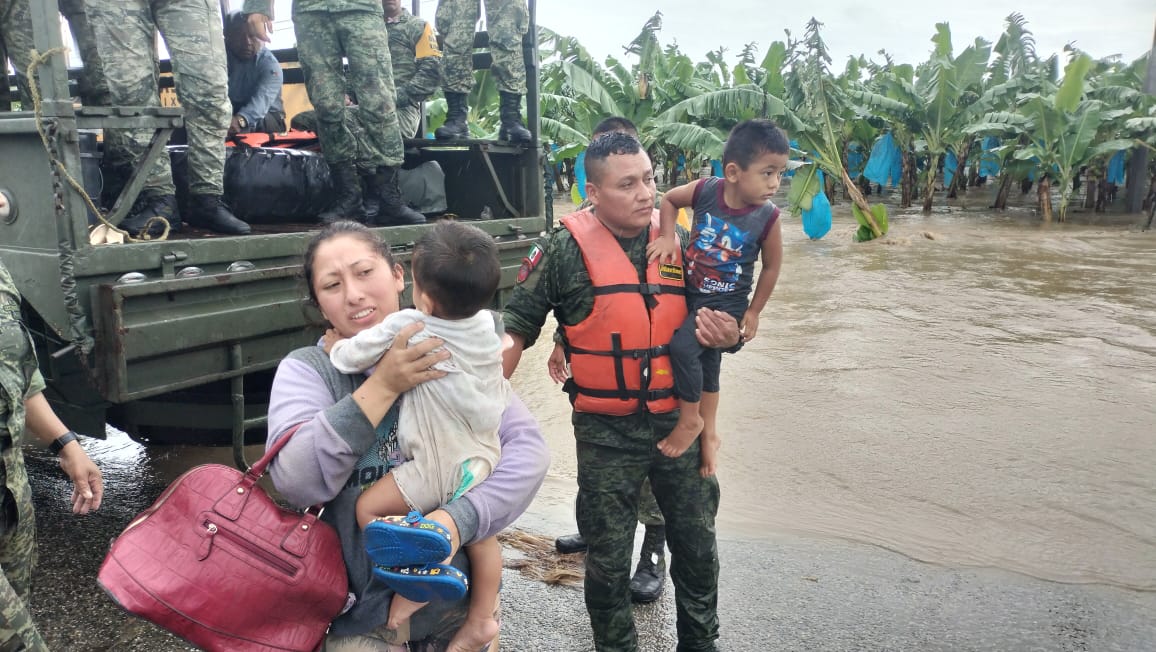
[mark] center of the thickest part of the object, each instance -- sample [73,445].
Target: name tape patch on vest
[530,262]
[670,272]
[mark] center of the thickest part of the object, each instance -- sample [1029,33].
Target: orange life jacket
[620,354]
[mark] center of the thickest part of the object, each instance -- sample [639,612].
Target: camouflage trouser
[609,486]
[16,38]
[125,32]
[648,512]
[323,38]
[92,86]
[408,120]
[17,552]
[506,23]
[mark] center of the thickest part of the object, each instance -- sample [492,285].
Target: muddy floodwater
[975,390]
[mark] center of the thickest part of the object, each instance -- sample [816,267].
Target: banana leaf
[804,186]
[879,212]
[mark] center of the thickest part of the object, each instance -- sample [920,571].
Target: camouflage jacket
[417,61]
[19,379]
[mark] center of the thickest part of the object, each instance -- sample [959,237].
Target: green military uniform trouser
[408,120]
[615,456]
[125,38]
[506,24]
[360,36]
[92,86]
[16,39]
[17,554]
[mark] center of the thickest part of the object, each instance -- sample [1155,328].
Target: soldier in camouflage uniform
[16,40]
[650,576]
[506,24]
[20,390]
[328,30]
[417,63]
[125,39]
[617,453]
[417,73]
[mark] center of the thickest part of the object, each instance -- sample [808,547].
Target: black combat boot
[208,211]
[140,223]
[346,195]
[511,111]
[650,576]
[570,543]
[455,125]
[392,211]
[370,200]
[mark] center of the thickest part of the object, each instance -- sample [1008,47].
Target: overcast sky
[902,27]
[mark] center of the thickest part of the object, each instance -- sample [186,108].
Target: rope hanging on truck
[34,90]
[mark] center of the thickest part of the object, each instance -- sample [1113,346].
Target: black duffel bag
[265,185]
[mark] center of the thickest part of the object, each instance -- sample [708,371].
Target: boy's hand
[750,325]
[329,339]
[664,248]
[556,365]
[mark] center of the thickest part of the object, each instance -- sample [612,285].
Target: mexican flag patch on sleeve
[529,263]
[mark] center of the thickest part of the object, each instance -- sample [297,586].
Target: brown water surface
[977,390]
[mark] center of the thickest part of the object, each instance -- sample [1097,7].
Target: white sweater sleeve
[364,349]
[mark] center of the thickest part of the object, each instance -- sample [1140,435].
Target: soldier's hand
[716,329]
[260,27]
[556,365]
[87,484]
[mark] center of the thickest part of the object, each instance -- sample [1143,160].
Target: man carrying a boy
[620,314]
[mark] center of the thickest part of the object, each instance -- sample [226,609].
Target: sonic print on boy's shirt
[715,255]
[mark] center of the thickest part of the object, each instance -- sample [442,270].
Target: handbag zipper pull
[206,541]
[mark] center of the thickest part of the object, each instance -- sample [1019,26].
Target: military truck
[177,339]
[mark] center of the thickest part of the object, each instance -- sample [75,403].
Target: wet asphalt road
[785,593]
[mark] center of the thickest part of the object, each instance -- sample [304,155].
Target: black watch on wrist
[242,121]
[60,442]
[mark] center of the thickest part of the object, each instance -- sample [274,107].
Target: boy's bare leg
[382,498]
[400,609]
[481,625]
[689,426]
[709,442]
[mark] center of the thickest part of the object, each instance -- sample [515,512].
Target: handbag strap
[258,468]
[233,503]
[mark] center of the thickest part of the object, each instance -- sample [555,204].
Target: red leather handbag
[215,561]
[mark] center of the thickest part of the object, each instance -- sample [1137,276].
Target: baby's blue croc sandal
[406,541]
[425,583]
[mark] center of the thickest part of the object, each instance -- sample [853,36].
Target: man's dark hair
[602,147]
[457,266]
[615,123]
[235,20]
[751,139]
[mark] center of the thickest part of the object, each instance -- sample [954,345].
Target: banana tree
[821,107]
[700,122]
[946,86]
[1061,131]
[1014,69]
